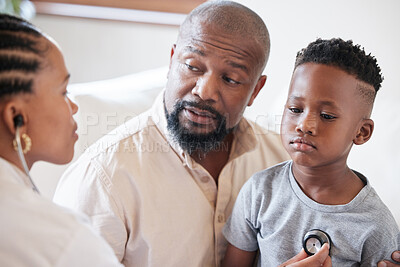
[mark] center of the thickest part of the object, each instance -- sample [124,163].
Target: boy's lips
[302,144]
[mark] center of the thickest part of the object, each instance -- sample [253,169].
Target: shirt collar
[12,173]
[244,135]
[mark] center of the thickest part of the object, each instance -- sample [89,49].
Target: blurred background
[101,43]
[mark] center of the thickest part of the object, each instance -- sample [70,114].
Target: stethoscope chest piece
[313,241]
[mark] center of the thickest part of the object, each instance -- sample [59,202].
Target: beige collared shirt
[151,201]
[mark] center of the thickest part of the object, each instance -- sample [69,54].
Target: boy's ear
[364,132]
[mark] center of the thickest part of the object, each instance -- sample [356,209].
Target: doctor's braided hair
[20,55]
[346,56]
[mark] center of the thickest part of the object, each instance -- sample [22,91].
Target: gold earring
[28,143]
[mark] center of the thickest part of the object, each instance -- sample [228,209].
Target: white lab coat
[36,232]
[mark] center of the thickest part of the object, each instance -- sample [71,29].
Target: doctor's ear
[365,132]
[13,116]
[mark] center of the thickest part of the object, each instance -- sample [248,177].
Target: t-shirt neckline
[359,198]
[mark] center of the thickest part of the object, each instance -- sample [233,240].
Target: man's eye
[295,110]
[190,67]
[327,116]
[229,80]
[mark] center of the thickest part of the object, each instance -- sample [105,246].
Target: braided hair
[21,55]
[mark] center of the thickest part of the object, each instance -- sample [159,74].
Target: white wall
[98,49]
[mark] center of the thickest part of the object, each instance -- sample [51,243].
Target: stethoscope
[313,241]
[18,122]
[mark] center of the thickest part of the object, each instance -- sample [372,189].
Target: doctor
[36,124]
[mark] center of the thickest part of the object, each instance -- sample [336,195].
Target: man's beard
[191,142]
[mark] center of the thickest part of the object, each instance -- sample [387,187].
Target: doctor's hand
[320,259]
[395,257]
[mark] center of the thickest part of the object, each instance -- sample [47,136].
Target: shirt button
[221,218]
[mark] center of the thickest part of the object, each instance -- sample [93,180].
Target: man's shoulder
[124,135]
[269,142]
[263,132]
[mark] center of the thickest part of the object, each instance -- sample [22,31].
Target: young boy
[327,111]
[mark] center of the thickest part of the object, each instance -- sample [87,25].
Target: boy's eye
[229,80]
[327,116]
[295,110]
[190,67]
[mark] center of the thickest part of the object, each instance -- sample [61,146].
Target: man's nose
[207,88]
[308,124]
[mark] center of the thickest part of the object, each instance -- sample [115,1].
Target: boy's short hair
[348,57]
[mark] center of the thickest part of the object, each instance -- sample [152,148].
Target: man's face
[323,115]
[213,76]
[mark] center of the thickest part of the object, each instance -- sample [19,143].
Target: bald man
[160,188]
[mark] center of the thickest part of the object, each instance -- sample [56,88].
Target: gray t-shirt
[273,214]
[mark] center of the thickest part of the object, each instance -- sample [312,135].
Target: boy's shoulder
[372,203]
[381,231]
[379,213]
[272,175]
[374,212]
[267,186]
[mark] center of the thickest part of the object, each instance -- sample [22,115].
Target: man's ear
[11,110]
[172,53]
[260,84]
[170,59]
[364,132]
[173,49]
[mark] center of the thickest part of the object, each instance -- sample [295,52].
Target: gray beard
[193,142]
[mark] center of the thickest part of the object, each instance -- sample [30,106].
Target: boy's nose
[307,125]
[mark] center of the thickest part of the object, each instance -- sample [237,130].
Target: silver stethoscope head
[314,240]
[23,161]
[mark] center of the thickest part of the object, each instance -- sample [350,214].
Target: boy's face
[324,115]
